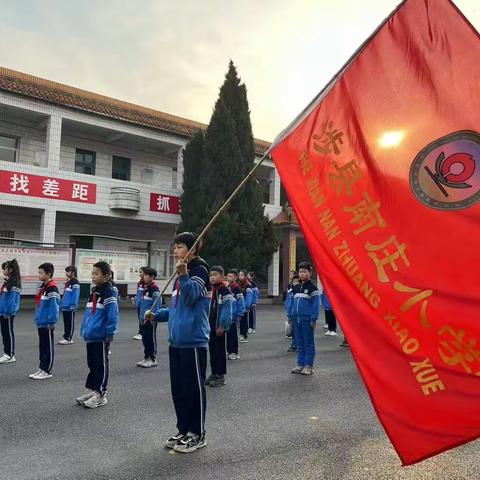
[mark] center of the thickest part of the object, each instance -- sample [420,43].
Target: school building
[84,177]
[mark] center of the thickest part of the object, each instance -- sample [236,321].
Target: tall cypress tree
[242,237]
[192,211]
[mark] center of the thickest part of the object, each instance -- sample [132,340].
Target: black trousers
[8,335]
[139,321]
[45,346]
[244,325]
[97,361]
[331,320]
[218,353]
[252,318]
[187,377]
[232,338]
[69,322]
[149,340]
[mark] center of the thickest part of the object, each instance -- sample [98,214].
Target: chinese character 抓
[19,183]
[50,187]
[365,214]
[421,296]
[80,191]
[328,139]
[345,177]
[457,350]
[389,259]
[163,203]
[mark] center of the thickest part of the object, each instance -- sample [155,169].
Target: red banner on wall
[164,203]
[28,185]
[383,172]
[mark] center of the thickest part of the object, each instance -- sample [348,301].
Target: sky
[172,55]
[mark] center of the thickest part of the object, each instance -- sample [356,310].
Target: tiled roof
[71,97]
[285,217]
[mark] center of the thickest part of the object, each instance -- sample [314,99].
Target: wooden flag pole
[211,222]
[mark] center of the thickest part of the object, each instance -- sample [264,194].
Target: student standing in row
[47,303]
[248,295]
[9,306]
[99,325]
[252,315]
[238,310]
[69,304]
[138,299]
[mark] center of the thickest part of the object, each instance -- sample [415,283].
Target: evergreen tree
[242,237]
[192,211]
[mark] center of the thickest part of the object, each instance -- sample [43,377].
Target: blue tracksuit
[71,296]
[9,300]
[189,332]
[238,308]
[101,314]
[48,305]
[252,314]
[99,325]
[303,312]
[149,329]
[287,305]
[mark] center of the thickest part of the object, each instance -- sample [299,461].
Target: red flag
[383,172]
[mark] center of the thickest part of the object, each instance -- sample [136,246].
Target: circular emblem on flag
[446,174]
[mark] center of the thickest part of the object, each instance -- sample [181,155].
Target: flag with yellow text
[383,172]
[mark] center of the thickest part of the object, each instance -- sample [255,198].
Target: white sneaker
[234,356]
[81,400]
[141,363]
[65,342]
[253,331]
[7,359]
[325,326]
[96,400]
[42,375]
[243,340]
[327,333]
[138,336]
[34,374]
[250,330]
[149,363]
[307,371]
[332,333]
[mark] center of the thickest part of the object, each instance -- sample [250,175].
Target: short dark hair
[104,267]
[244,271]
[150,271]
[218,269]
[48,268]
[306,266]
[188,239]
[72,269]
[252,274]
[296,276]
[234,271]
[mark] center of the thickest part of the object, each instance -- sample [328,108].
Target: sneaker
[307,371]
[190,443]
[81,400]
[141,363]
[243,340]
[7,359]
[65,342]
[149,363]
[345,344]
[297,369]
[42,375]
[96,400]
[138,336]
[291,349]
[234,356]
[333,334]
[210,379]
[250,330]
[218,381]
[34,374]
[172,441]
[325,327]
[253,331]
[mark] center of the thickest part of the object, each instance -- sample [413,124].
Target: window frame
[82,151]
[16,150]
[129,168]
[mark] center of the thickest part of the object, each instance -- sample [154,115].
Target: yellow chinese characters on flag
[383,172]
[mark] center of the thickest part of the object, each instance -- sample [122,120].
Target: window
[8,148]
[121,167]
[175,178]
[6,234]
[85,162]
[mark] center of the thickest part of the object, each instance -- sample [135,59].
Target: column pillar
[180,168]
[47,226]
[54,136]
[274,275]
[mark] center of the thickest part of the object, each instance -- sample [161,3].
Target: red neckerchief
[94,303]
[4,286]
[42,290]
[245,284]
[234,285]
[177,288]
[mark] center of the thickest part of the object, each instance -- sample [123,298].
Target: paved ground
[265,424]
